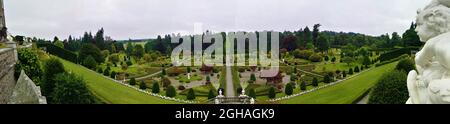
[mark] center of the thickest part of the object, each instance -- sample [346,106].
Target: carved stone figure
[3,29]
[430,84]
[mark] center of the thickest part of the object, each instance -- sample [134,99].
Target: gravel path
[229,87]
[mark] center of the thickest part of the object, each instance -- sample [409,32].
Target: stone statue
[3,34]
[3,29]
[430,84]
[220,92]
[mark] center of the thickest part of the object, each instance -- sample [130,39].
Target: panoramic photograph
[224,52]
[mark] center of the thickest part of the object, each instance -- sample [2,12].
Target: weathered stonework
[7,82]
[26,92]
[22,92]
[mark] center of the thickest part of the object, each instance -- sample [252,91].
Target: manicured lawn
[263,91]
[345,92]
[184,78]
[201,92]
[333,67]
[112,92]
[135,70]
[236,81]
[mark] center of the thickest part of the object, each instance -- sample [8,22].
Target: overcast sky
[124,19]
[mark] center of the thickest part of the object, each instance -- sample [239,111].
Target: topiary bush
[191,94]
[315,82]
[52,67]
[356,69]
[181,87]
[129,63]
[344,74]
[106,72]
[188,70]
[89,62]
[253,77]
[208,79]
[211,94]
[71,89]
[406,65]
[170,91]
[113,75]
[390,89]
[100,70]
[252,93]
[303,86]
[142,85]
[132,81]
[315,58]
[166,82]
[272,93]
[155,87]
[239,90]
[289,89]
[327,79]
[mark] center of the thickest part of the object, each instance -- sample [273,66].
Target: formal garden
[298,74]
[315,67]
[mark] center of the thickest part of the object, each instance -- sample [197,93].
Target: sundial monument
[430,84]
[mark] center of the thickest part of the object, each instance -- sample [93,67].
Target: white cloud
[123,19]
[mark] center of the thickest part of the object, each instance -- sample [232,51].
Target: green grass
[345,92]
[236,79]
[184,78]
[134,70]
[222,80]
[333,67]
[112,92]
[200,91]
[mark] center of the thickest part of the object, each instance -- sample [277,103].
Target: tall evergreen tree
[322,43]
[410,37]
[307,35]
[130,49]
[138,51]
[315,33]
[100,40]
[395,40]
[160,45]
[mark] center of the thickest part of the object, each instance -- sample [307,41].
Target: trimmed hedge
[396,53]
[390,61]
[390,89]
[406,65]
[60,52]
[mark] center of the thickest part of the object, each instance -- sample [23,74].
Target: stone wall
[26,92]
[7,81]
